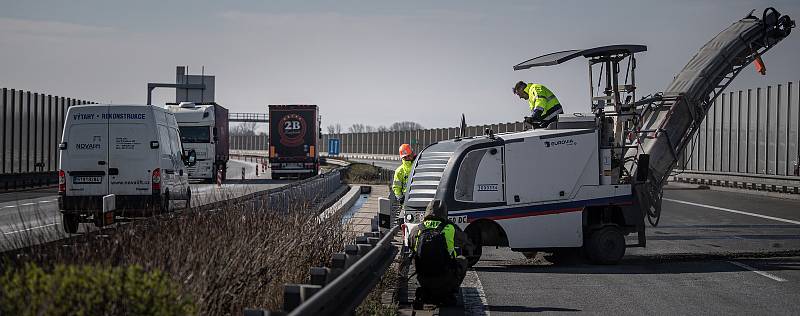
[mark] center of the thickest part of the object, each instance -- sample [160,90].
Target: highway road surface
[33,216]
[690,265]
[714,252]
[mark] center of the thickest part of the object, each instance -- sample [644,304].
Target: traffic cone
[219,178]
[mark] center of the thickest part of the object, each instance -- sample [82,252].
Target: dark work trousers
[437,288]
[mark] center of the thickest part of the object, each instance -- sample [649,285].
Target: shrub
[90,290]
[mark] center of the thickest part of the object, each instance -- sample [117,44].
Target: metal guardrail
[348,290]
[304,193]
[341,288]
[771,183]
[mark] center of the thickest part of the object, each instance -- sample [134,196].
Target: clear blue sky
[372,62]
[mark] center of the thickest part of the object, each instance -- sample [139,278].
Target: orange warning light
[760,67]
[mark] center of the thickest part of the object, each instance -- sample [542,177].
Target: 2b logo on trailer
[292,130]
[291,126]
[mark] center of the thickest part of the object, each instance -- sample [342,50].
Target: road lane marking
[28,229]
[762,273]
[736,211]
[474,298]
[26,204]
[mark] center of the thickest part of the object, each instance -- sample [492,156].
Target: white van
[131,151]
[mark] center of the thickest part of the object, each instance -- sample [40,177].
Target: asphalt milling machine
[584,183]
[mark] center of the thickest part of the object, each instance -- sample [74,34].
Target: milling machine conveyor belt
[668,125]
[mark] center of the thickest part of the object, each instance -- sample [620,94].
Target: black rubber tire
[477,241]
[70,223]
[163,205]
[605,245]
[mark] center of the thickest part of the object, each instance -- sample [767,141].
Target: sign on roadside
[333,147]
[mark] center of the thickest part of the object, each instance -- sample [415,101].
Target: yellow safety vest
[401,177]
[541,97]
[448,231]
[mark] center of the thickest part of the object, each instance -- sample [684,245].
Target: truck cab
[204,129]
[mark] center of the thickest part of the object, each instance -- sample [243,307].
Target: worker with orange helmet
[402,172]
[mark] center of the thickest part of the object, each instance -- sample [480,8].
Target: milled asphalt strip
[735,211]
[474,298]
[762,273]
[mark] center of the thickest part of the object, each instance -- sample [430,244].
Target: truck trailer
[204,128]
[581,185]
[293,136]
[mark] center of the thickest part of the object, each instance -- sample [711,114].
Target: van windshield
[195,134]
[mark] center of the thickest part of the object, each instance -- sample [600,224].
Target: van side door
[84,157]
[130,159]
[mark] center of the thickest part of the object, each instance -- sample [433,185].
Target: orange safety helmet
[405,151]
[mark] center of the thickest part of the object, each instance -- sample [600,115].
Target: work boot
[418,303]
[419,298]
[449,300]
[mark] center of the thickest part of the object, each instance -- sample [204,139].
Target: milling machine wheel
[605,245]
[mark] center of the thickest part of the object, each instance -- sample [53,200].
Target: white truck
[204,128]
[581,185]
[131,151]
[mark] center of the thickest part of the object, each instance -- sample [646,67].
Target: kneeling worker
[439,268]
[402,172]
[544,105]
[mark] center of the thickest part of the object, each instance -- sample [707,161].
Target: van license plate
[87,180]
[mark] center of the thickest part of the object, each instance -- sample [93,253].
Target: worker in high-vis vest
[440,268]
[402,172]
[544,105]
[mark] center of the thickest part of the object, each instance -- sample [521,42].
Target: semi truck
[582,184]
[293,136]
[204,128]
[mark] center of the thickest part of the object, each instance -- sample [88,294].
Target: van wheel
[188,199]
[477,249]
[605,245]
[70,223]
[164,203]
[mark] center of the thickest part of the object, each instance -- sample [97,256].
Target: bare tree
[369,128]
[356,128]
[382,129]
[331,129]
[245,128]
[405,126]
[338,128]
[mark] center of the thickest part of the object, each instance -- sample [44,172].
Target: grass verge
[221,261]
